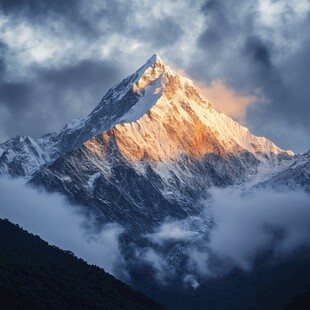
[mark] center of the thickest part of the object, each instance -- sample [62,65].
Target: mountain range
[152,150]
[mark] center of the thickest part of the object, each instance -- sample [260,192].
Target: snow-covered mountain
[146,158]
[153,94]
[295,175]
[150,149]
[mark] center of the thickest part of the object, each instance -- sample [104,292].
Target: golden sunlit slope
[171,118]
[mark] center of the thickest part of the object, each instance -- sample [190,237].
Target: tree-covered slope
[35,275]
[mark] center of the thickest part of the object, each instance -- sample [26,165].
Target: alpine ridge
[157,112]
[152,147]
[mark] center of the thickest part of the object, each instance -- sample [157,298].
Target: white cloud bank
[264,219]
[244,226]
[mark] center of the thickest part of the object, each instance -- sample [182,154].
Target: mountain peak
[168,116]
[153,65]
[154,111]
[155,59]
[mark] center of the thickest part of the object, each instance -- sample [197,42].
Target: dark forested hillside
[35,275]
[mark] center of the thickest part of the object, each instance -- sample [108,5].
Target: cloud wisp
[249,225]
[52,218]
[243,228]
[171,231]
[225,99]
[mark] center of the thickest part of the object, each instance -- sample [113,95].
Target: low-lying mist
[264,219]
[59,223]
[232,231]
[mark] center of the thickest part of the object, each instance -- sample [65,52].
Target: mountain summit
[166,116]
[153,115]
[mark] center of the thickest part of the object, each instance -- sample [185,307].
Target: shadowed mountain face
[35,275]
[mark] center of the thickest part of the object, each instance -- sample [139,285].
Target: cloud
[63,93]
[172,231]
[247,226]
[67,55]
[161,268]
[189,280]
[224,98]
[227,100]
[52,218]
[233,231]
[247,45]
[198,260]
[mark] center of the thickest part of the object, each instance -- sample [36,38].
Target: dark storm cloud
[167,33]
[216,15]
[35,6]
[50,96]
[298,78]
[224,23]
[42,95]
[286,88]
[37,11]
[113,16]
[2,63]
[53,97]
[259,53]
[249,55]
